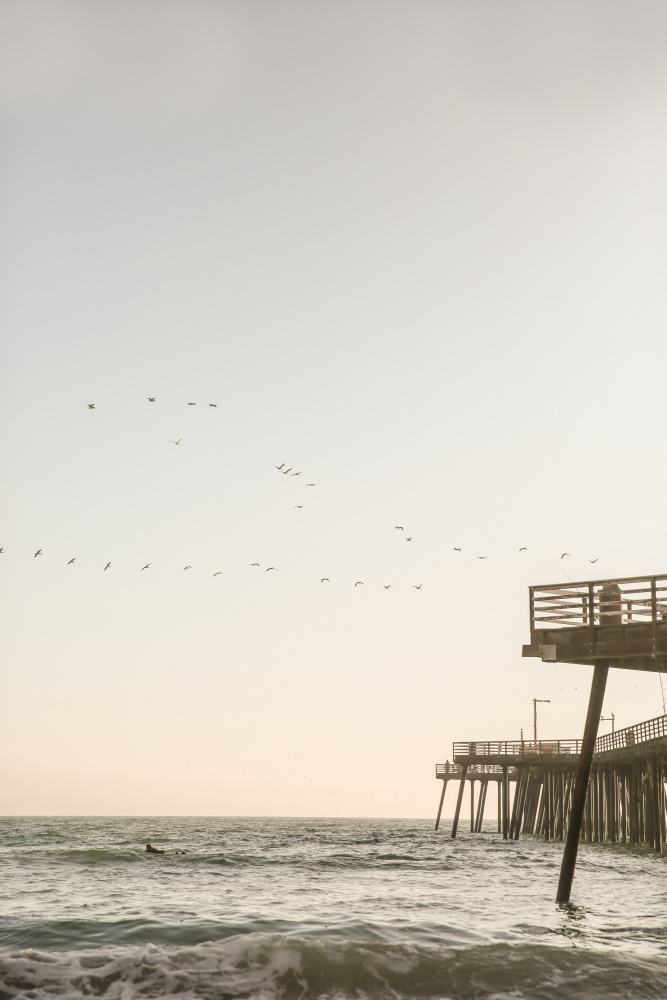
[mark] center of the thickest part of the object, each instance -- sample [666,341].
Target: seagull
[297,473]
[192,404]
[409,538]
[218,573]
[269,568]
[325,579]
[287,471]
[456,550]
[359,582]
[151,399]
[37,553]
[176,442]
[311,484]
[186,567]
[2,550]
[387,586]
[214,405]
[565,554]
[147,566]
[106,567]
[279,467]
[398,527]
[590,560]
[417,586]
[482,557]
[91,406]
[254,564]
[523,549]
[69,563]
[299,506]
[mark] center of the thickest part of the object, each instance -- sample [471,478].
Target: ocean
[292,908]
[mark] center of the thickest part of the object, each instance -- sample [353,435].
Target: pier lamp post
[545,701]
[609,718]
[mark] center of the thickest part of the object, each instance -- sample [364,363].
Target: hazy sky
[414,249]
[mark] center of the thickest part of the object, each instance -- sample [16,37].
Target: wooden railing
[633,736]
[475,770]
[623,601]
[518,748]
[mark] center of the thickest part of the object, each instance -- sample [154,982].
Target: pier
[625,802]
[607,788]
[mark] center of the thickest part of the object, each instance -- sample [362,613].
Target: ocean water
[299,909]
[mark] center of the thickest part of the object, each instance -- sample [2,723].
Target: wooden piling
[462,784]
[442,799]
[569,861]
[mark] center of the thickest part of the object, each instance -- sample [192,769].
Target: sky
[414,251]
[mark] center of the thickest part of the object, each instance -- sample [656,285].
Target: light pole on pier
[608,718]
[546,701]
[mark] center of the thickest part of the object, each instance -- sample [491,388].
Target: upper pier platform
[622,620]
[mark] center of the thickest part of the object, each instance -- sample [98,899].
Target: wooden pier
[626,800]
[615,791]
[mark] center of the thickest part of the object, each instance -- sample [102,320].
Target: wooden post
[547,804]
[442,799]
[500,808]
[506,794]
[462,785]
[569,861]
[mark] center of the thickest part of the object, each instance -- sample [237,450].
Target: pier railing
[632,736]
[518,748]
[628,600]
[455,771]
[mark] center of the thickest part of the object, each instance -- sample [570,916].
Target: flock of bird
[285,470]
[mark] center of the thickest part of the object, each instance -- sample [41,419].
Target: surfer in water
[153,850]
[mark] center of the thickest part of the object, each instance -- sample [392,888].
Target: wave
[277,967]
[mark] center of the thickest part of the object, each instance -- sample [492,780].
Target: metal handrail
[455,771]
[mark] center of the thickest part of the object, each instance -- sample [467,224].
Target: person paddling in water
[153,850]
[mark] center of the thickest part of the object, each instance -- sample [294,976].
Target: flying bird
[151,399]
[69,563]
[176,442]
[254,564]
[590,560]
[299,506]
[417,586]
[147,566]
[186,567]
[482,557]
[387,586]
[456,550]
[106,567]
[523,549]
[325,579]
[37,553]
[2,550]
[297,473]
[287,471]
[311,484]
[192,404]
[218,573]
[359,582]
[269,568]
[398,527]
[91,406]
[214,405]
[565,554]
[409,538]
[279,467]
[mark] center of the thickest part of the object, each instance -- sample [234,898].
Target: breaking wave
[276,967]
